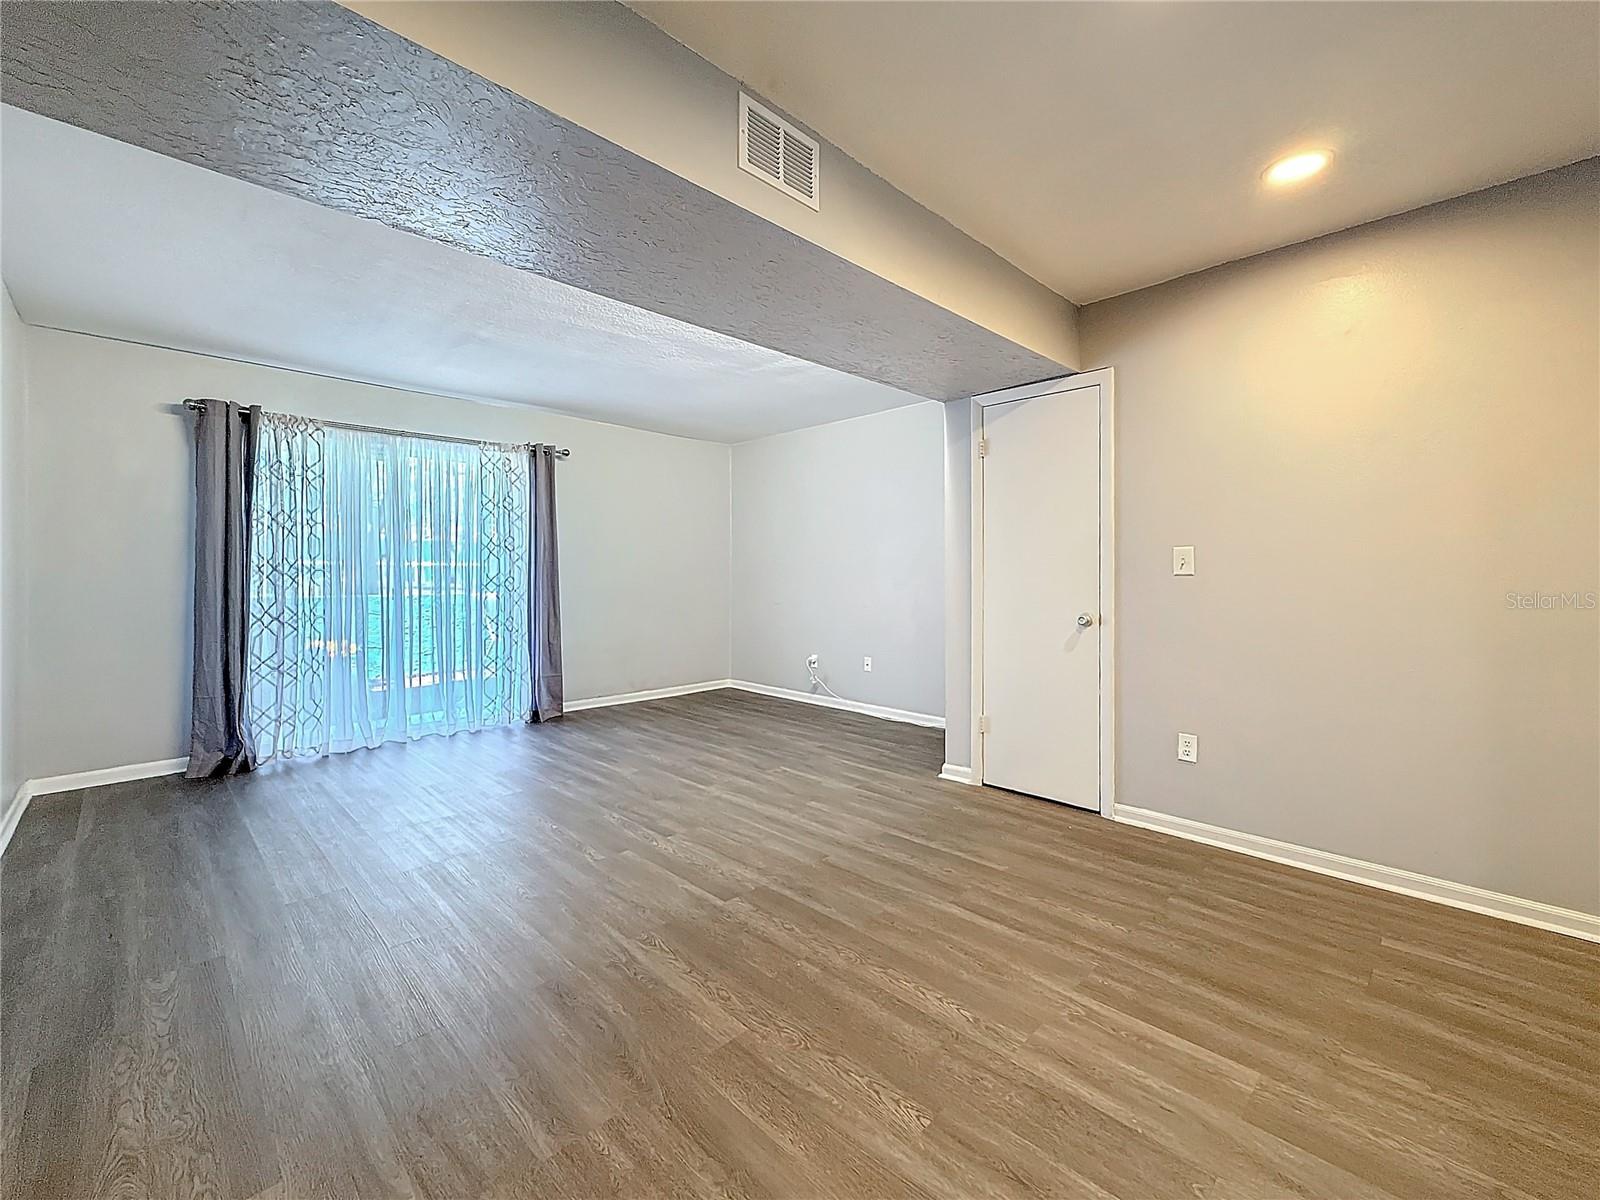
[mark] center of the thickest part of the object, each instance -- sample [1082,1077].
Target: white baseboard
[1390,879]
[13,814]
[687,689]
[1393,879]
[174,766]
[105,775]
[51,784]
[870,710]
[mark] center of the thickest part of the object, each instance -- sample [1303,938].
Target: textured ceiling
[1102,147]
[314,101]
[102,237]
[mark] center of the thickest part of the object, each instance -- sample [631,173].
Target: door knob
[1085,620]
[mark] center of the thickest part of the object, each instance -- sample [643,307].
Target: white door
[1040,596]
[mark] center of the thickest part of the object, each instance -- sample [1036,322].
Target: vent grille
[772,149]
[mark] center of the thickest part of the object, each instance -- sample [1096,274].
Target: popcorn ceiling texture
[105,238]
[315,101]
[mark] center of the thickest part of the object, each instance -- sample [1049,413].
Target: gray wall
[838,550]
[13,502]
[1370,440]
[644,528]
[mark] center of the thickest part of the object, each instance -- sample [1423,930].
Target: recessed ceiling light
[1297,167]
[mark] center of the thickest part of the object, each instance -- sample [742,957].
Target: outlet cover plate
[1189,747]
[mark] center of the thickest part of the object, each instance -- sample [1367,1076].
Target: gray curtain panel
[544,587]
[224,477]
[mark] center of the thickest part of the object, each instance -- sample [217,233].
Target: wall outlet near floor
[1183,560]
[1188,747]
[812,661]
[866,663]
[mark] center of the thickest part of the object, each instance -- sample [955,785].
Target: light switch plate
[1188,747]
[1183,560]
[866,663]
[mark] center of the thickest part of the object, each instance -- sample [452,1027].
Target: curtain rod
[195,405]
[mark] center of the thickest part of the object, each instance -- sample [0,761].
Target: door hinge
[983,447]
[983,723]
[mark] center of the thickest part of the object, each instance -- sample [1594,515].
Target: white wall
[13,507]
[838,550]
[644,532]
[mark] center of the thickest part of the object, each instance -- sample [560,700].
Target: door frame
[1104,379]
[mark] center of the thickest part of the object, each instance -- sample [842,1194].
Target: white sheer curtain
[389,588]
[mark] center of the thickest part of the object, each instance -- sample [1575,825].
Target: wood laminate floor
[726,945]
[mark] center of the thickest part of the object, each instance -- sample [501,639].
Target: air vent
[772,149]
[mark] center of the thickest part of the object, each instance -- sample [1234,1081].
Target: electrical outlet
[812,661]
[866,663]
[1188,747]
[1183,560]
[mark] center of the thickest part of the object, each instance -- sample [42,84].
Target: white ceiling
[1102,147]
[105,238]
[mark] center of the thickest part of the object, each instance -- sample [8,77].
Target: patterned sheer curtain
[388,588]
